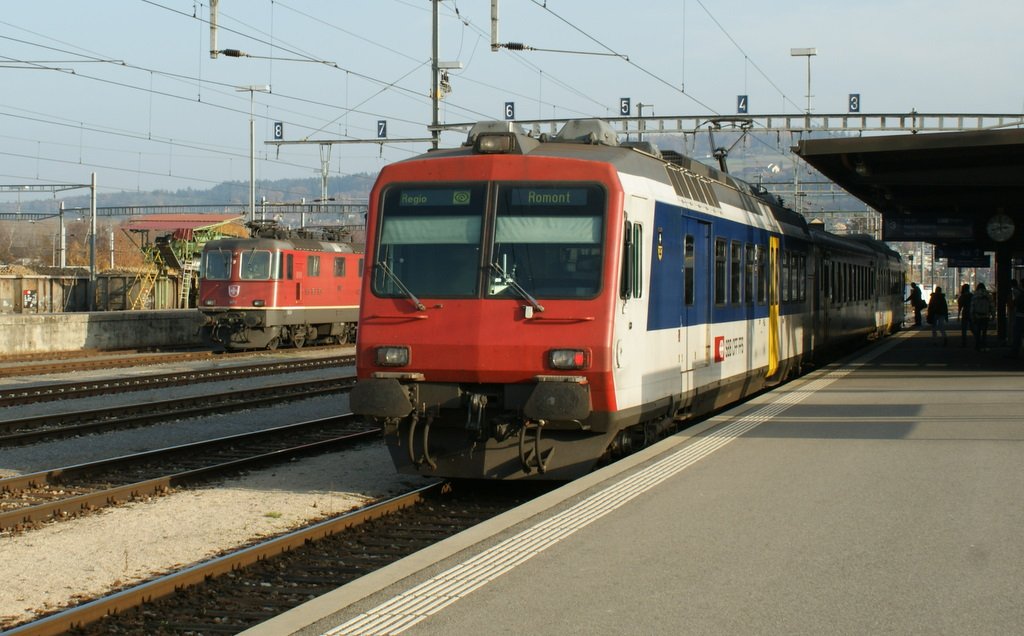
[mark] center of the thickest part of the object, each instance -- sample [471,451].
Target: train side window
[826,282]
[801,277]
[735,272]
[785,258]
[749,261]
[844,278]
[840,288]
[798,277]
[290,273]
[313,265]
[851,282]
[720,274]
[632,260]
[688,269]
[638,260]
[762,274]
[360,268]
[836,299]
[339,267]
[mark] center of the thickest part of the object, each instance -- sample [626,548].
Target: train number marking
[727,347]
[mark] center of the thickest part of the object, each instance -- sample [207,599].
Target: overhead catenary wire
[277,105]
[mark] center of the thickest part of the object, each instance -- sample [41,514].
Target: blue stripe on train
[666,310]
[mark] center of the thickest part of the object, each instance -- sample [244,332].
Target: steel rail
[124,600]
[70,506]
[98,361]
[47,392]
[41,427]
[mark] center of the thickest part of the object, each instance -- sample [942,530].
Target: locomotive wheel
[272,345]
[298,341]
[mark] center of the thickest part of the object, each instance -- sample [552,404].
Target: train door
[822,305]
[697,292]
[774,323]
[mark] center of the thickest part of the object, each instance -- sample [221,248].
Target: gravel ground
[63,563]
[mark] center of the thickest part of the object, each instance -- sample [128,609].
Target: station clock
[1000,227]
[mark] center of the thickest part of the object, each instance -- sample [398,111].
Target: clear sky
[127,88]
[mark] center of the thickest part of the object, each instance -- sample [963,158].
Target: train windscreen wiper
[511,282]
[405,290]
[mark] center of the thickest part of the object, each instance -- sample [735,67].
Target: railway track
[46,363]
[64,362]
[37,428]
[62,493]
[12,396]
[246,587]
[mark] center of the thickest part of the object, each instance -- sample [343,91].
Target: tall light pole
[808,53]
[252,90]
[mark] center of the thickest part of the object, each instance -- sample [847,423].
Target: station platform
[878,495]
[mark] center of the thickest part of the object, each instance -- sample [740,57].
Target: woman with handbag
[917,302]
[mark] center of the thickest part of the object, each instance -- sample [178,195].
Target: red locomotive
[281,287]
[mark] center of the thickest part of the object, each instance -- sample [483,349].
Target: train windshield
[255,265]
[429,241]
[547,241]
[217,265]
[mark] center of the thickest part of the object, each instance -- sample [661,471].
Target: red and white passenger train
[534,306]
[280,287]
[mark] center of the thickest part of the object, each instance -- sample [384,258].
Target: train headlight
[259,303]
[568,359]
[208,302]
[392,356]
[494,144]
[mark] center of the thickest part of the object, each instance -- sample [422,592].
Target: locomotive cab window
[255,265]
[548,241]
[217,265]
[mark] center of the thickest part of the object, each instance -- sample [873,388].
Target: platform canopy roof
[181,222]
[935,187]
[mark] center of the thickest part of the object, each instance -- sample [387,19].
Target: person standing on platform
[917,302]
[963,308]
[938,314]
[981,313]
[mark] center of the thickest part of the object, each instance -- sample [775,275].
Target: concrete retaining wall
[32,333]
